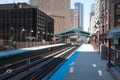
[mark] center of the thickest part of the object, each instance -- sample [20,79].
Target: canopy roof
[114,33]
[72,32]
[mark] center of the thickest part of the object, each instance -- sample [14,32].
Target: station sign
[116,41]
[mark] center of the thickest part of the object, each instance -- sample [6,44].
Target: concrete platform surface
[88,66]
[22,50]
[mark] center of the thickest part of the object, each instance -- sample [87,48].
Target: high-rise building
[79,7]
[74,18]
[92,7]
[92,19]
[59,10]
[22,23]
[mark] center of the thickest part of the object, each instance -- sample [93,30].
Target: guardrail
[16,55]
[114,57]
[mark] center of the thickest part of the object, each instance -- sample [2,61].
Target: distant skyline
[79,6]
[86,4]
[87,8]
[92,7]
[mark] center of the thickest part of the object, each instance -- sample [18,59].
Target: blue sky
[86,3]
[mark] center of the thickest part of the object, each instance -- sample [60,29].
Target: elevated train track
[36,67]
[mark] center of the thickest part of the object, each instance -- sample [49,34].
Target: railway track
[38,75]
[45,65]
[24,62]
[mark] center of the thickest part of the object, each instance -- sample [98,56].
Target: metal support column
[109,53]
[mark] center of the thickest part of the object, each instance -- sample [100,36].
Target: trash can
[103,52]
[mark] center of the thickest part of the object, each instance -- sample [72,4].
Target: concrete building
[59,10]
[72,17]
[80,8]
[21,23]
[110,33]
[75,18]
[92,7]
[91,26]
[94,18]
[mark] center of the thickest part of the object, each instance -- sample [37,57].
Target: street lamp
[43,35]
[51,38]
[33,44]
[47,35]
[22,30]
[11,29]
[38,36]
[38,32]
[98,26]
[102,25]
[109,40]
[11,37]
[31,31]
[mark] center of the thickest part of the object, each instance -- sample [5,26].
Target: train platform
[22,50]
[84,64]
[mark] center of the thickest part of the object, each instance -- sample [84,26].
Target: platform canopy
[114,33]
[73,32]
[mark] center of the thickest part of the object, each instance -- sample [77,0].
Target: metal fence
[114,56]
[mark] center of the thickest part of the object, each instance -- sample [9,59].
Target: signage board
[116,41]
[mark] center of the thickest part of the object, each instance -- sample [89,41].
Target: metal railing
[114,56]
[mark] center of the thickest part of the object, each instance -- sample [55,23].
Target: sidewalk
[88,66]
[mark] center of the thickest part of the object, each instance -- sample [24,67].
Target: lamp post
[47,37]
[43,35]
[103,34]
[98,24]
[51,38]
[11,29]
[22,30]
[109,40]
[102,25]
[11,37]
[33,44]
[38,36]
[31,31]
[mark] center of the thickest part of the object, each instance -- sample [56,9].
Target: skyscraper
[92,19]
[79,7]
[92,7]
[74,18]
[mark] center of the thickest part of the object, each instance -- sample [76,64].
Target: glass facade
[79,7]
